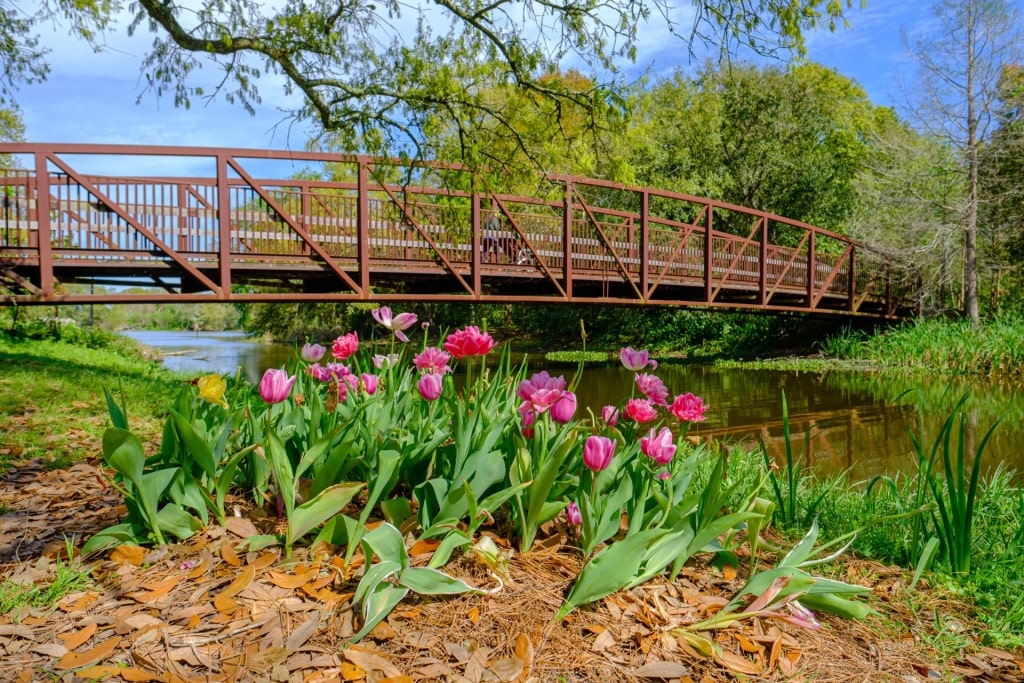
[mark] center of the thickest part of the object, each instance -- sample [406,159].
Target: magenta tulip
[344,346]
[598,452]
[640,410]
[430,386]
[276,385]
[689,408]
[468,342]
[572,513]
[311,353]
[563,409]
[610,415]
[528,417]
[370,383]
[659,448]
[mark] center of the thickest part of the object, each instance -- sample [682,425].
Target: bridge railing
[354,223]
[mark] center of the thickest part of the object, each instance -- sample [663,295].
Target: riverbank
[917,631]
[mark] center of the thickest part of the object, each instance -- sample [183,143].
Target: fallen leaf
[661,669]
[740,665]
[290,580]
[524,651]
[369,661]
[228,554]
[473,615]
[130,554]
[240,583]
[72,641]
[76,660]
[507,669]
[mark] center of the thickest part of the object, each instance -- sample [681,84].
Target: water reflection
[858,423]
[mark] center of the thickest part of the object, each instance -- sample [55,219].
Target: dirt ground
[205,611]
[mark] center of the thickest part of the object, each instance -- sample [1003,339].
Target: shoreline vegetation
[53,408]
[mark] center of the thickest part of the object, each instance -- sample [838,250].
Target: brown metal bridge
[101,223]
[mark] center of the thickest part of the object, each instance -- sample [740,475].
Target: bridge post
[851,286]
[567,241]
[43,218]
[223,227]
[645,257]
[762,279]
[708,253]
[475,244]
[363,228]
[812,269]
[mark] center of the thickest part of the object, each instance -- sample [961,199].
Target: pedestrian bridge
[102,223]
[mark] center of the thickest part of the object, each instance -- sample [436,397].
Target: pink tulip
[370,383]
[689,408]
[653,388]
[598,452]
[636,360]
[319,372]
[430,386]
[396,324]
[432,359]
[572,513]
[659,448]
[528,416]
[640,410]
[311,353]
[344,346]
[563,409]
[542,390]
[276,385]
[469,342]
[610,415]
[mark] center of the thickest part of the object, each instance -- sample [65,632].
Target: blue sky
[92,97]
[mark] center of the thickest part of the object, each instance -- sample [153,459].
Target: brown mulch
[206,611]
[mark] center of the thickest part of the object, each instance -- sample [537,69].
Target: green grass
[65,577]
[51,397]
[577,356]
[943,346]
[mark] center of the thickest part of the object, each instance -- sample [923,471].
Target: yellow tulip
[211,388]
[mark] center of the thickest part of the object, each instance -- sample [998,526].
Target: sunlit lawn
[52,404]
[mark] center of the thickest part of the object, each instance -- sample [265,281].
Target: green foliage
[951,346]
[786,141]
[955,491]
[786,488]
[385,583]
[68,576]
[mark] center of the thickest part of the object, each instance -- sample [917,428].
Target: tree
[784,140]
[955,98]
[1002,170]
[377,72]
[22,58]
[905,187]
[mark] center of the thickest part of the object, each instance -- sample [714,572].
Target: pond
[859,423]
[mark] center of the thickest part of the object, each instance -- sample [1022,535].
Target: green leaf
[455,539]
[123,451]
[373,577]
[112,536]
[610,569]
[118,418]
[197,447]
[378,605]
[428,581]
[319,509]
[387,543]
[396,510]
[174,520]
